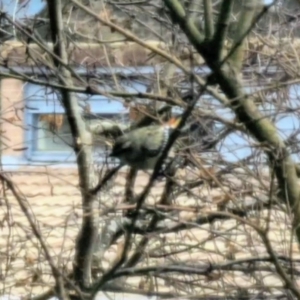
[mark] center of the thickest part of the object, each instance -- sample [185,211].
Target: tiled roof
[88,55]
[54,200]
[131,54]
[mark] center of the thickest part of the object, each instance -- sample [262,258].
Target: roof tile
[57,211]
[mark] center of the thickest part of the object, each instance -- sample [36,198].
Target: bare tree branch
[82,143]
[61,292]
[244,23]
[222,27]
[168,57]
[288,281]
[210,210]
[208,19]
[259,126]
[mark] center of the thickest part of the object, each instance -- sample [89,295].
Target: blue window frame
[44,144]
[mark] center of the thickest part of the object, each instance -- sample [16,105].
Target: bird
[141,148]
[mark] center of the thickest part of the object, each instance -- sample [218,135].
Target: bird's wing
[121,145]
[153,142]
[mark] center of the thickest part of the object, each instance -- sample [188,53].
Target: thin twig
[24,207]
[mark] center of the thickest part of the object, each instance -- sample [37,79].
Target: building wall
[53,197]
[12,115]
[14,128]
[54,201]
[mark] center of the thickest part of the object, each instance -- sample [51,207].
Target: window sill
[51,157]
[46,160]
[13,163]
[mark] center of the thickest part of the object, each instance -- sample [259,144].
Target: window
[52,132]
[48,135]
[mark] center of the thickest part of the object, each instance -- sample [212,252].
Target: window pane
[52,133]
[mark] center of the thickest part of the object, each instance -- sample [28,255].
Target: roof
[55,203]
[282,53]
[121,54]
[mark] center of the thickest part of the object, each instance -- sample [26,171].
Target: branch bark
[82,143]
[208,19]
[222,28]
[244,23]
[260,127]
[170,58]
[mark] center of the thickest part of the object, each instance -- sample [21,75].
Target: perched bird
[141,148]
